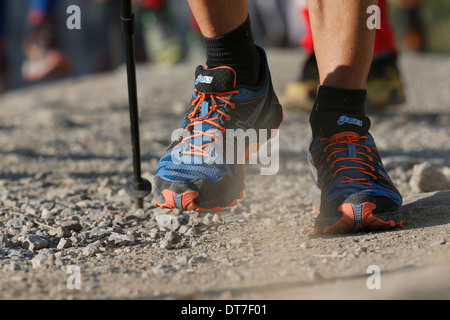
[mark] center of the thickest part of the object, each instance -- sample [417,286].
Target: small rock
[122,239]
[426,178]
[183,229]
[46,214]
[154,233]
[162,269]
[64,243]
[14,266]
[75,239]
[168,221]
[202,257]
[96,215]
[165,244]
[117,229]
[171,222]
[16,254]
[173,237]
[305,245]
[236,242]
[67,212]
[34,242]
[90,250]
[98,233]
[192,231]
[5,242]
[208,218]
[70,225]
[138,214]
[183,260]
[61,232]
[217,218]
[44,257]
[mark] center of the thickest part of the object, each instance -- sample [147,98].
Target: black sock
[237,50]
[337,110]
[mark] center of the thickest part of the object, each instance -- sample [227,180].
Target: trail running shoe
[384,84]
[193,173]
[44,58]
[356,191]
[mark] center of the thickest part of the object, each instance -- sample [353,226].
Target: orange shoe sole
[186,200]
[357,218]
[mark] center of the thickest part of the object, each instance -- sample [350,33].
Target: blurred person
[272,18]
[163,44]
[385,85]
[3,45]
[234,91]
[44,56]
[414,37]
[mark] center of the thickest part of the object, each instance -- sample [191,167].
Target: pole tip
[138,191]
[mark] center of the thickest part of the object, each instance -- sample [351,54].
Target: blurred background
[36,45]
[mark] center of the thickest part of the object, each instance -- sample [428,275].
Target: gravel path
[66,156]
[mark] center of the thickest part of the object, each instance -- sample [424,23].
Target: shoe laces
[338,145]
[215,102]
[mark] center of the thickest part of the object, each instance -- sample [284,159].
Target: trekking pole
[137,188]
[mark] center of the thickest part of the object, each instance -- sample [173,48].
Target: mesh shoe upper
[186,159]
[347,168]
[196,158]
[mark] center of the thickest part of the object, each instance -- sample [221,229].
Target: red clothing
[384,37]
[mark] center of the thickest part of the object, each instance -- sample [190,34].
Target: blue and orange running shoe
[356,193]
[195,172]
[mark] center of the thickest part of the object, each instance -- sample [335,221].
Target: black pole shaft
[127,9]
[128,31]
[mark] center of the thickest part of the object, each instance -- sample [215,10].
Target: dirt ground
[66,156]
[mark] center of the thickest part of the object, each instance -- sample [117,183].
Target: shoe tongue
[329,124]
[221,79]
[343,128]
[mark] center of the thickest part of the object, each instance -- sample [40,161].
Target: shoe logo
[312,168]
[254,116]
[382,173]
[204,79]
[345,119]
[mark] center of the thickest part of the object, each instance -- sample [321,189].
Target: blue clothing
[47,7]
